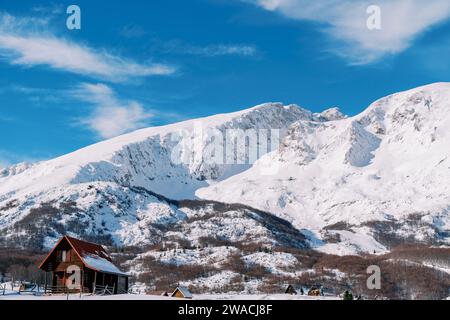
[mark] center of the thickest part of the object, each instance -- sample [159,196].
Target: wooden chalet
[181,292]
[294,290]
[315,291]
[97,272]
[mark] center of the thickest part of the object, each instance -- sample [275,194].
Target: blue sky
[157,62]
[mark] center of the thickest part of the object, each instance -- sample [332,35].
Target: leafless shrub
[165,276]
[9,205]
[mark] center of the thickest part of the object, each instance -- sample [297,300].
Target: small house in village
[181,292]
[79,265]
[5,277]
[315,291]
[291,289]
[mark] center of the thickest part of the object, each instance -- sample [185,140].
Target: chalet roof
[294,286]
[85,248]
[184,291]
[297,288]
[93,255]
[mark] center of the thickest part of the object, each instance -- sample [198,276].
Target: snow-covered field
[13,294]
[154,297]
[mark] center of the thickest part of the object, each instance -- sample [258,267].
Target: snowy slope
[383,172]
[144,158]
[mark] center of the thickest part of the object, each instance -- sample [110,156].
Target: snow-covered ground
[154,297]
[213,256]
[276,262]
[13,294]
[263,297]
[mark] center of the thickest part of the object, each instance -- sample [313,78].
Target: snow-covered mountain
[367,181]
[350,184]
[93,190]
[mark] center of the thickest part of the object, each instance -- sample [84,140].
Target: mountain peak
[439,92]
[279,107]
[332,114]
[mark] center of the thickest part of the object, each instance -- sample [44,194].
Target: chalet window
[64,256]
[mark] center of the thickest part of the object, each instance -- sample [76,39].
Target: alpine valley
[336,195]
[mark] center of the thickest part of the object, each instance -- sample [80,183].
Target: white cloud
[5,119]
[51,9]
[346,21]
[111,116]
[212,50]
[223,50]
[132,31]
[21,46]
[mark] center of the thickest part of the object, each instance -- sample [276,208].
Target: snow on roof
[101,264]
[184,291]
[94,256]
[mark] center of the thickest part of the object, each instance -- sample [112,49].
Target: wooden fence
[36,288]
[103,290]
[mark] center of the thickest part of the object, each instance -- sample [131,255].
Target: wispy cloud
[21,46]
[5,119]
[111,116]
[4,164]
[212,50]
[346,22]
[132,31]
[49,9]
[8,158]
[38,96]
